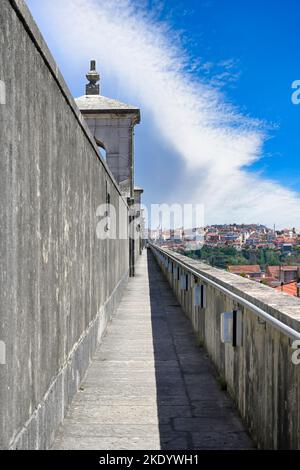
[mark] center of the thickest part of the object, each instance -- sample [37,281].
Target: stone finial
[93,88]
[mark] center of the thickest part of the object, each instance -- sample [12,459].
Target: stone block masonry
[59,283]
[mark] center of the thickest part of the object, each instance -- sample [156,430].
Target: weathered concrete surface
[260,375]
[59,283]
[150,386]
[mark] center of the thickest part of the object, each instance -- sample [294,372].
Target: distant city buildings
[249,238]
[238,236]
[180,238]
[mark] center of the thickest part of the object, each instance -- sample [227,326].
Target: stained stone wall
[59,282]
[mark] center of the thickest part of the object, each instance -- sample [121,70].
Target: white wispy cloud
[214,140]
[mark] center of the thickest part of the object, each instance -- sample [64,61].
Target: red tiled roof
[247,269]
[285,240]
[289,288]
[274,270]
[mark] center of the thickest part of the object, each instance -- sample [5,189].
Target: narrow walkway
[150,386]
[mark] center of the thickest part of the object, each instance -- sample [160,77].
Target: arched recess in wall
[101,149]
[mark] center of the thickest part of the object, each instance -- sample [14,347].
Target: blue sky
[213,80]
[263,41]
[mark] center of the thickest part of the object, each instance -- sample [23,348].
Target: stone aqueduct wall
[260,375]
[59,283]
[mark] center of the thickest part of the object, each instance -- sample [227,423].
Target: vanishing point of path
[150,386]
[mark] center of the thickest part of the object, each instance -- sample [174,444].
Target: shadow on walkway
[193,412]
[150,386]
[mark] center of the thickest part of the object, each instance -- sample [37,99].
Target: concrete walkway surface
[150,386]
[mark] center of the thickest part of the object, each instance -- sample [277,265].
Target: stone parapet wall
[260,374]
[59,282]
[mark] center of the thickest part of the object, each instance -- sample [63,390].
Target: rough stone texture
[59,283]
[260,375]
[150,386]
